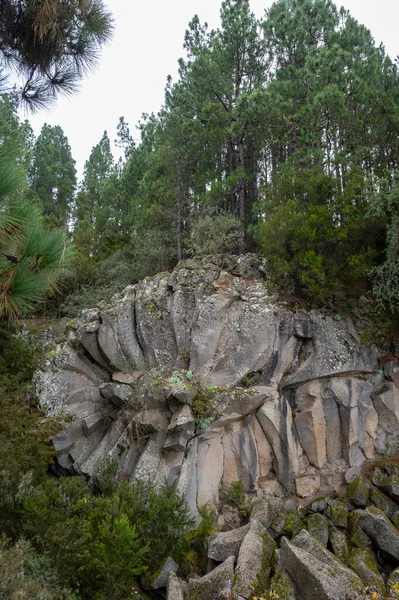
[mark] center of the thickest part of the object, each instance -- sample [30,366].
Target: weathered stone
[127,378]
[356,534]
[362,561]
[337,512]
[177,441]
[182,419]
[182,391]
[93,422]
[352,474]
[148,464]
[254,559]
[386,403]
[187,485]
[381,531]
[226,543]
[116,393]
[316,571]
[317,526]
[318,505]
[391,487]
[275,417]
[243,401]
[175,587]
[151,420]
[297,395]
[217,584]
[241,462]
[126,329]
[109,344]
[286,521]
[358,491]
[339,543]
[383,502]
[358,416]
[169,566]
[262,511]
[307,486]
[169,468]
[310,423]
[264,450]
[209,470]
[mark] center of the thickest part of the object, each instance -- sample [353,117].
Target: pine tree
[32,258]
[53,174]
[51,44]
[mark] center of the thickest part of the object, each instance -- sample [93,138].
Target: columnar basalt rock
[201,378]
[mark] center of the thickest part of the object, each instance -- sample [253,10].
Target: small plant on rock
[236,496]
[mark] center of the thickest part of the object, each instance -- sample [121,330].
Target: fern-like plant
[32,257]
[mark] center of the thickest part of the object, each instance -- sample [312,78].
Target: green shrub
[25,438]
[215,234]
[24,575]
[100,543]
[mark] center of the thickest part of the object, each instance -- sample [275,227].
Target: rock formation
[202,378]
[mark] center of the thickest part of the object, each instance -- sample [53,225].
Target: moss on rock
[363,562]
[358,491]
[317,526]
[337,512]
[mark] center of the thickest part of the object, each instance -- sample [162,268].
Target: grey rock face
[316,571]
[380,530]
[227,543]
[217,584]
[175,588]
[202,377]
[170,566]
[254,559]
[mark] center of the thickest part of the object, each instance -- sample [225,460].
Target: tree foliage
[279,124]
[52,174]
[51,44]
[32,258]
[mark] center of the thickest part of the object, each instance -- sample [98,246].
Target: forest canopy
[279,136]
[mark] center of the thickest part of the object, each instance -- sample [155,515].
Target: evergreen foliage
[274,138]
[51,44]
[32,258]
[52,175]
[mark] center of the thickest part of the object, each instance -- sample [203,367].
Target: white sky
[147,43]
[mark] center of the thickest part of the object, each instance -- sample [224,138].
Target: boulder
[362,561]
[254,560]
[216,584]
[118,394]
[226,543]
[262,511]
[380,530]
[175,587]
[337,512]
[358,491]
[307,486]
[169,566]
[317,526]
[339,543]
[316,571]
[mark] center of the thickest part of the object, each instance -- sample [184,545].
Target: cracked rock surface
[201,378]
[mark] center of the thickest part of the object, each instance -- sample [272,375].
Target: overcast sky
[147,43]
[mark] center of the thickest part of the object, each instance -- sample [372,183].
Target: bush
[100,282]
[215,234]
[24,575]
[25,438]
[100,543]
[315,237]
